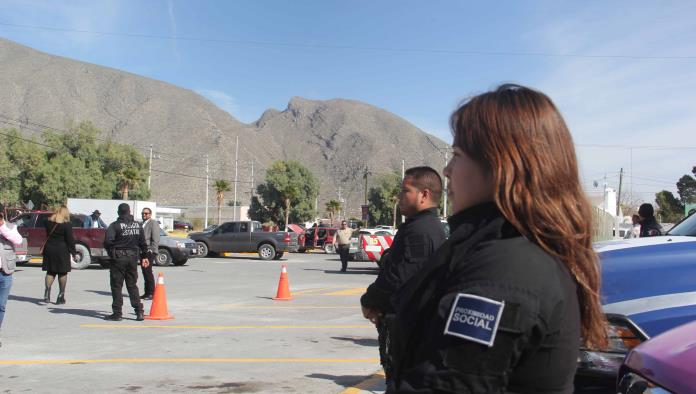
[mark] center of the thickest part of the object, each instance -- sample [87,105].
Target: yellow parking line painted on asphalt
[367,384]
[285,307]
[218,328]
[36,260]
[310,291]
[348,292]
[189,360]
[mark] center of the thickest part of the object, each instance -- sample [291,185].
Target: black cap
[123,209]
[96,212]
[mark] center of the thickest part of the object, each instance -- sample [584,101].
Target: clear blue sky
[623,72]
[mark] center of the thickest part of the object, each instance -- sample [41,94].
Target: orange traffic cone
[283,286]
[158,310]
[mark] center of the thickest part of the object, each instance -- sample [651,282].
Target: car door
[223,237]
[242,238]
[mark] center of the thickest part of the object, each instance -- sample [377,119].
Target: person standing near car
[94,220]
[418,238]
[151,230]
[57,252]
[9,240]
[342,243]
[648,224]
[126,245]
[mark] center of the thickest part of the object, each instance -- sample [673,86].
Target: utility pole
[403,175]
[149,176]
[234,203]
[207,179]
[618,196]
[339,203]
[365,174]
[444,206]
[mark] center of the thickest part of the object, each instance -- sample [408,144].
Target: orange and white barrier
[375,245]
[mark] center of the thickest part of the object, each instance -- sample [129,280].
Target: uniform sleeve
[405,260]
[460,365]
[70,238]
[110,237]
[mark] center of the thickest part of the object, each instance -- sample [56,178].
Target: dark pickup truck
[240,237]
[89,242]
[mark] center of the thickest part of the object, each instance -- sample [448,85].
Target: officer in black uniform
[648,224]
[125,243]
[504,305]
[418,238]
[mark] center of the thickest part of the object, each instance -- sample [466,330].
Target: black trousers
[343,252]
[148,276]
[124,266]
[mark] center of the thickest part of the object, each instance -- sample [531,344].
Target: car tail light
[287,238]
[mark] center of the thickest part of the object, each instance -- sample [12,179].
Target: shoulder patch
[474,318]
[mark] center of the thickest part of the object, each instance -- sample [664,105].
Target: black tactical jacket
[125,234]
[535,346]
[650,228]
[417,239]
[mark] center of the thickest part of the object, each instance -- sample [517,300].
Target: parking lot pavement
[228,334]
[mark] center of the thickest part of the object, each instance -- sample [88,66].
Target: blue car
[648,287]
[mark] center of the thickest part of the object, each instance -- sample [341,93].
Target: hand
[372,315]
[145,263]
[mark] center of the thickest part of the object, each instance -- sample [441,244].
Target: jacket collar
[426,212]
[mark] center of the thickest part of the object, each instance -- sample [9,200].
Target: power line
[295,45]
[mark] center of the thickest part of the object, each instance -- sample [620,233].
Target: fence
[602,225]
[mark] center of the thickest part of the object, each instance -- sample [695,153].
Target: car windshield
[686,227]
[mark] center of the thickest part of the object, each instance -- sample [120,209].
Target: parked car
[319,238]
[89,241]
[182,225]
[648,288]
[175,250]
[664,364]
[246,236]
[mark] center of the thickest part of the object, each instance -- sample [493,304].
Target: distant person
[94,220]
[417,239]
[505,303]
[9,240]
[57,252]
[151,230]
[648,224]
[341,243]
[126,245]
[634,232]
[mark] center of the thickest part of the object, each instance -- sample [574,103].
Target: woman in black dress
[60,246]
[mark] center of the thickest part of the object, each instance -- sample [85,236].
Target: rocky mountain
[337,139]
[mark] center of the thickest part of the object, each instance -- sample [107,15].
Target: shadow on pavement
[78,312]
[36,301]
[353,271]
[100,292]
[359,341]
[341,380]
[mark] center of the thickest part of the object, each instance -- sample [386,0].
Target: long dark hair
[518,135]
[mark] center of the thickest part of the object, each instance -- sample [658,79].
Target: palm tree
[129,177]
[333,207]
[221,186]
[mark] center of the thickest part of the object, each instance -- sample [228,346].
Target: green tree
[332,208]
[670,208]
[383,198]
[9,178]
[686,186]
[221,186]
[72,164]
[286,195]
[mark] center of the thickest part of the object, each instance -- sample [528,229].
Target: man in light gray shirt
[151,230]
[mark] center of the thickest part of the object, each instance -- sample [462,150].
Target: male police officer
[126,245]
[418,237]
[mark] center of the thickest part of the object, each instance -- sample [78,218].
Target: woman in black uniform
[60,246]
[502,305]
